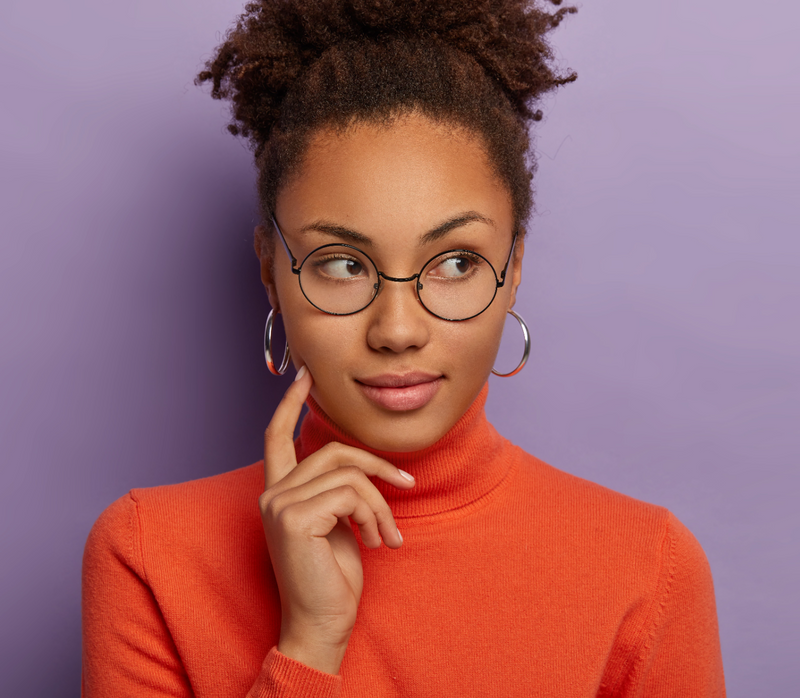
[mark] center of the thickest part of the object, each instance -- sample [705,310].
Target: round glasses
[340,279]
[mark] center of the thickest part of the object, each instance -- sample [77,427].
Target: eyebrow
[440,231]
[456,221]
[338,231]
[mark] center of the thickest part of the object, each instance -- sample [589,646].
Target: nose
[398,321]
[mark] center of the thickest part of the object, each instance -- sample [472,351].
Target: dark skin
[393,184]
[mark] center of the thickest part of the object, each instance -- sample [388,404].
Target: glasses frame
[499,282]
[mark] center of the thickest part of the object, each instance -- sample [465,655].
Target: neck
[456,471]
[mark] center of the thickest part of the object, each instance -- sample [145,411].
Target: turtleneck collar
[460,468]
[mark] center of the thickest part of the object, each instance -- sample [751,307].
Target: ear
[265,248]
[516,275]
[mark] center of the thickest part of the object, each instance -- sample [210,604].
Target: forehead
[393,180]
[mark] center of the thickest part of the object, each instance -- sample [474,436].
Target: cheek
[329,345]
[477,341]
[470,347]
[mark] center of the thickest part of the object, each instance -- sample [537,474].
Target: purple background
[661,286]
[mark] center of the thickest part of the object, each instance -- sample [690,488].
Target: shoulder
[638,556]
[154,526]
[577,499]
[113,537]
[229,491]
[598,520]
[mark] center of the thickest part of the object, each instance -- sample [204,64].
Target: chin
[401,441]
[402,432]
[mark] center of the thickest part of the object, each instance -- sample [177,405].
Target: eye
[458,266]
[339,267]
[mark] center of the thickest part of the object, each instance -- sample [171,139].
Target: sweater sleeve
[284,677]
[127,647]
[681,654]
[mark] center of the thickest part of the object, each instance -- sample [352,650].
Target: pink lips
[397,392]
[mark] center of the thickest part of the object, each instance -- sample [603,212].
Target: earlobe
[272,296]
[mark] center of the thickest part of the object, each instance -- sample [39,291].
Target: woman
[400,546]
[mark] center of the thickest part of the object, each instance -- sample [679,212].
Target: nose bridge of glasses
[380,287]
[396,279]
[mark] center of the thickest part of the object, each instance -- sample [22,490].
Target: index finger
[279,455]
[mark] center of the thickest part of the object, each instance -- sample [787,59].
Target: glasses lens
[457,285]
[338,279]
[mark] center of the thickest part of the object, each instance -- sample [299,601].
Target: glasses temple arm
[508,261]
[285,245]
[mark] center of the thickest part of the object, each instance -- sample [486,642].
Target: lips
[401,392]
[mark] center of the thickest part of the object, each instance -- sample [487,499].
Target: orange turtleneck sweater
[514,579]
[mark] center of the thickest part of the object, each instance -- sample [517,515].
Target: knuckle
[334,448]
[384,514]
[288,518]
[271,506]
[349,492]
[351,471]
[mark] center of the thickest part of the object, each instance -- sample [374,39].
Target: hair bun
[275,41]
[506,37]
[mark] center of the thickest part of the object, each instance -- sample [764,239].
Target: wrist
[322,655]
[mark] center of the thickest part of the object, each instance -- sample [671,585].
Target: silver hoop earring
[527,336]
[287,357]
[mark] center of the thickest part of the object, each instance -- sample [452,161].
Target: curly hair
[292,67]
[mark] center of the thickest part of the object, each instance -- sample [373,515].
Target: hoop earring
[287,357]
[525,354]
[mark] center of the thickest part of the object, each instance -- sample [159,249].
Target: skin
[392,183]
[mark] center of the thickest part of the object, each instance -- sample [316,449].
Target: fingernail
[303,370]
[407,476]
[400,534]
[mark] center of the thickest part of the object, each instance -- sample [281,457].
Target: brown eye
[340,267]
[456,267]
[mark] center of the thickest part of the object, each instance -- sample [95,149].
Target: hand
[314,553]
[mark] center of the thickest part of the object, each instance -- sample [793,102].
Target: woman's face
[394,376]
